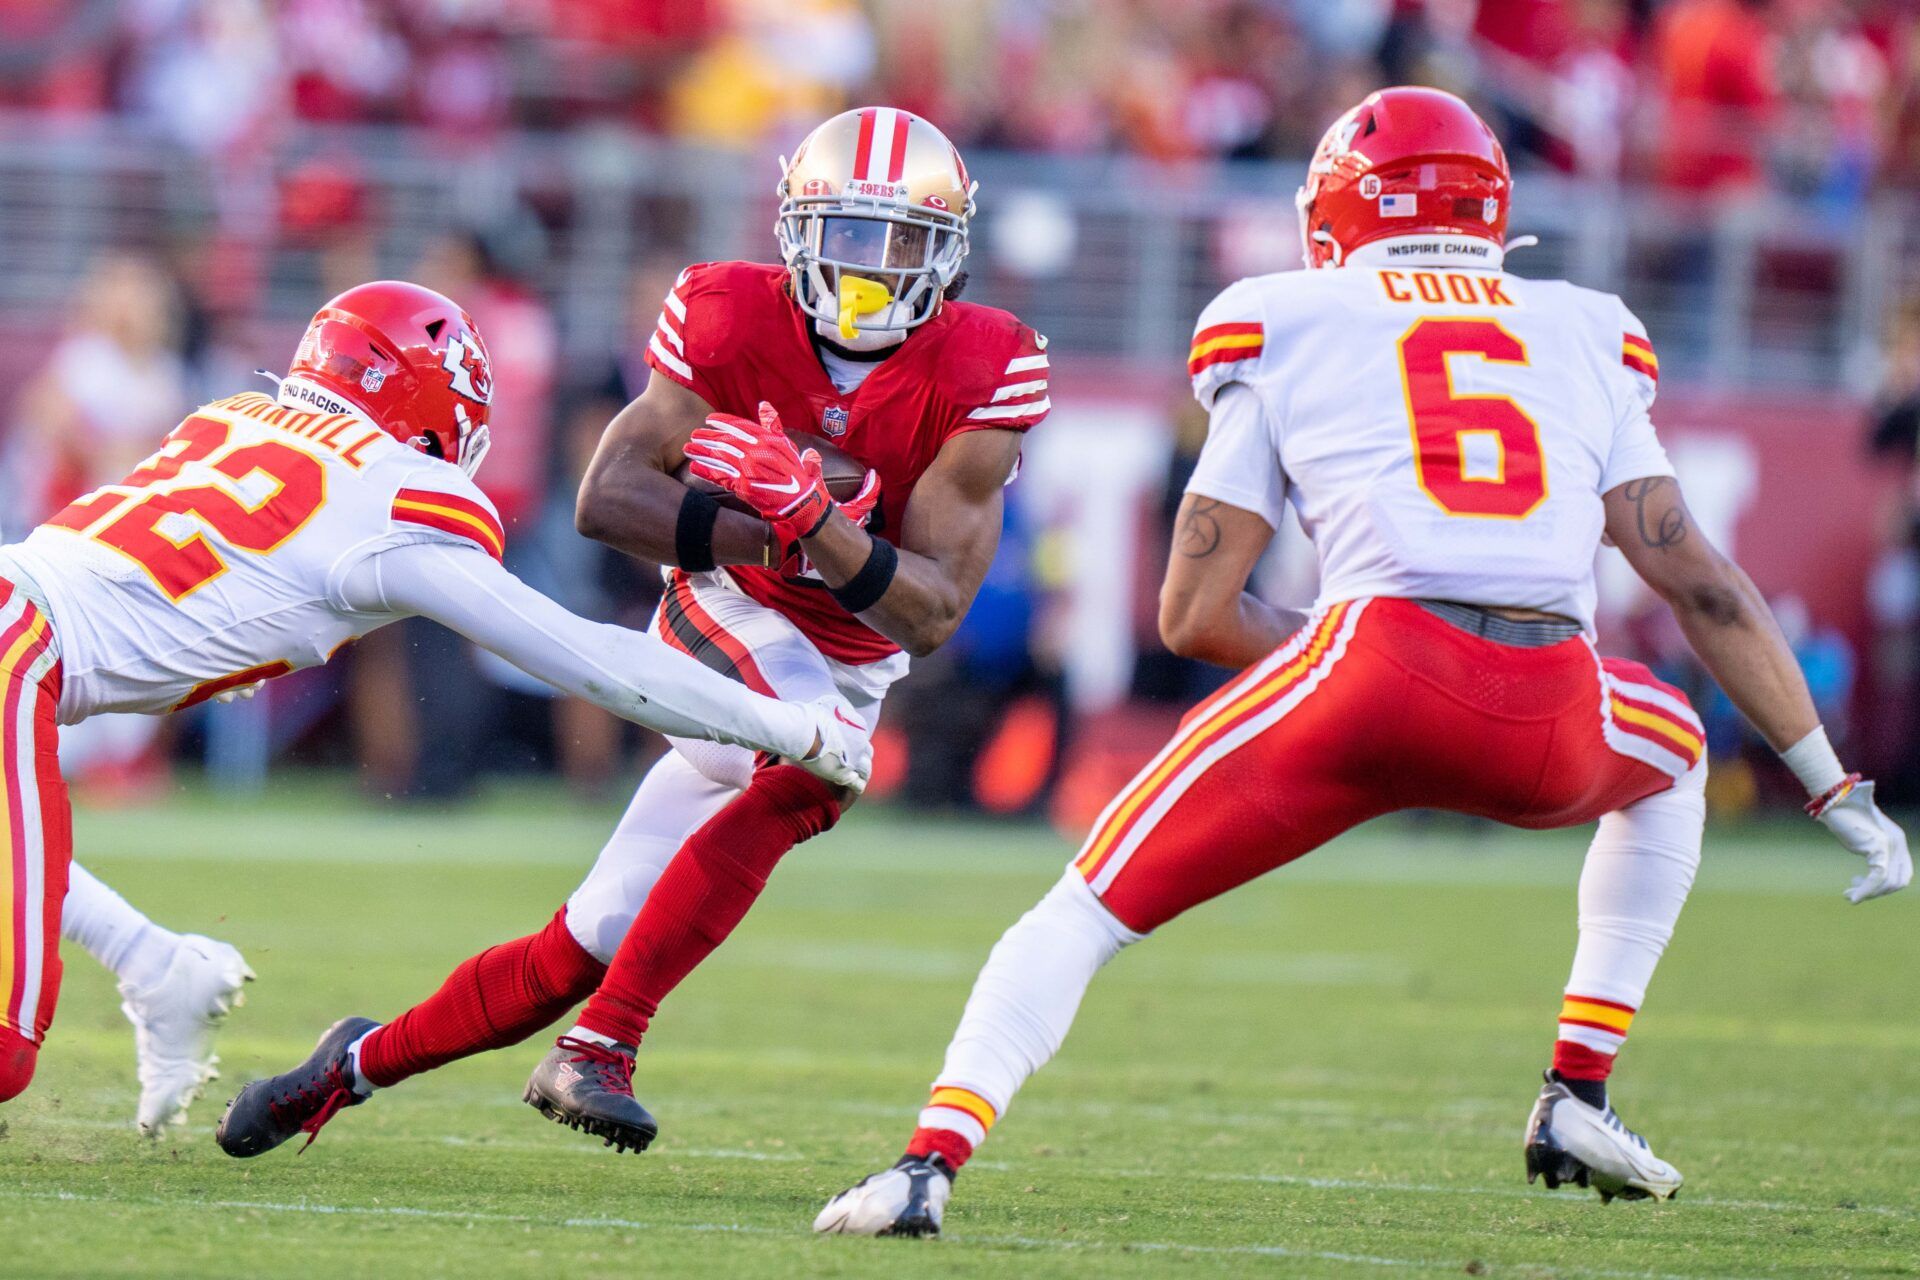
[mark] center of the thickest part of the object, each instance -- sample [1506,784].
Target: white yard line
[1314,1182]
[1054,1245]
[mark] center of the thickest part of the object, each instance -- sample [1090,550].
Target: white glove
[842,753]
[240,694]
[1857,823]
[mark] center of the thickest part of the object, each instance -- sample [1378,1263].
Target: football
[844,473]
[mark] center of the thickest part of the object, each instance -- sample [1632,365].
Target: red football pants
[38,830]
[1376,706]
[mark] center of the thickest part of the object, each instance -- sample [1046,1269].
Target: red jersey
[731,334]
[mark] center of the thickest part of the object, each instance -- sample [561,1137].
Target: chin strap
[1521,242]
[272,377]
[1325,237]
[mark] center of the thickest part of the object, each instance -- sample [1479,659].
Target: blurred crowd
[1817,96]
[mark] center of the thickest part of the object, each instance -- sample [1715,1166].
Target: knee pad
[17,1057]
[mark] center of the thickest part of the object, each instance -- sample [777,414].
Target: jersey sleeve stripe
[1022,364]
[1222,343]
[1637,354]
[1013,389]
[1031,408]
[1235,350]
[666,330]
[675,305]
[682,371]
[450,514]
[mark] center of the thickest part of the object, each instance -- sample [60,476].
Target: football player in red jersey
[857,337]
[262,535]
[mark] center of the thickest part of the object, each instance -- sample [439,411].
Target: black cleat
[589,1086]
[268,1112]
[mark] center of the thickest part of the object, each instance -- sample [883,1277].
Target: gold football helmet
[873,220]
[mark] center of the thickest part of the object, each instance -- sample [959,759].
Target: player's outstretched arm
[1206,612]
[629,499]
[1730,627]
[629,673]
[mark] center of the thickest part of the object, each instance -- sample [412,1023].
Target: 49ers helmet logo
[466,365]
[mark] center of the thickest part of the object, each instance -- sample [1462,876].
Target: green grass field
[1324,1075]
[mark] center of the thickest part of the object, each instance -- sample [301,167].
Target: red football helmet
[1407,161]
[410,360]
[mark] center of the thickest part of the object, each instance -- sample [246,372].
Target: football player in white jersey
[262,536]
[1456,441]
[176,989]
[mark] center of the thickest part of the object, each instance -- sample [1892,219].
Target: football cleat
[907,1200]
[268,1112]
[589,1086]
[1571,1141]
[174,1022]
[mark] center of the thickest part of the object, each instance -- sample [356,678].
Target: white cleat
[906,1200]
[1570,1141]
[174,1022]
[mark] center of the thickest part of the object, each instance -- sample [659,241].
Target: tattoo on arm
[1663,527]
[1199,534]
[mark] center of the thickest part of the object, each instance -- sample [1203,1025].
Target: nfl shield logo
[372,380]
[833,420]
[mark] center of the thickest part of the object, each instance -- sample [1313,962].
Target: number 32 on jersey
[160,521]
[1474,455]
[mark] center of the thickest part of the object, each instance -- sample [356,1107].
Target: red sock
[1574,1061]
[17,1056]
[945,1143]
[497,998]
[705,891]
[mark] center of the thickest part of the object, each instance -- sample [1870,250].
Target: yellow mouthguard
[859,297]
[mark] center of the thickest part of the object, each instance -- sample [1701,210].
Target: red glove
[757,464]
[858,508]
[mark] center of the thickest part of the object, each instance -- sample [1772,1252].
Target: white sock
[361,1085]
[1638,872]
[1023,1004]
[132,947]
[579,1032]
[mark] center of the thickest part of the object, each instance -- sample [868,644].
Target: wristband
[1818,806]
[693,532]
[864,589]
[1814,763]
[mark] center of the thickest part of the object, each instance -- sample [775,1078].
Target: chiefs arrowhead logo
[467,368]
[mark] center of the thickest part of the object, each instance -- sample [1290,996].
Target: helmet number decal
[160,520]
[1473,455]
[467,368]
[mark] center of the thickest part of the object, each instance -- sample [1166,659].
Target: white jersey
[1443,432]
[220,560]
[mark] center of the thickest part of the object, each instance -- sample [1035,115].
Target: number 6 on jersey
[1474,455]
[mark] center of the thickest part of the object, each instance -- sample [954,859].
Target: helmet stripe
[863,146]
[897,163]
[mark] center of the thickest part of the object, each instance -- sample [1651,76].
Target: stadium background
[183,181]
